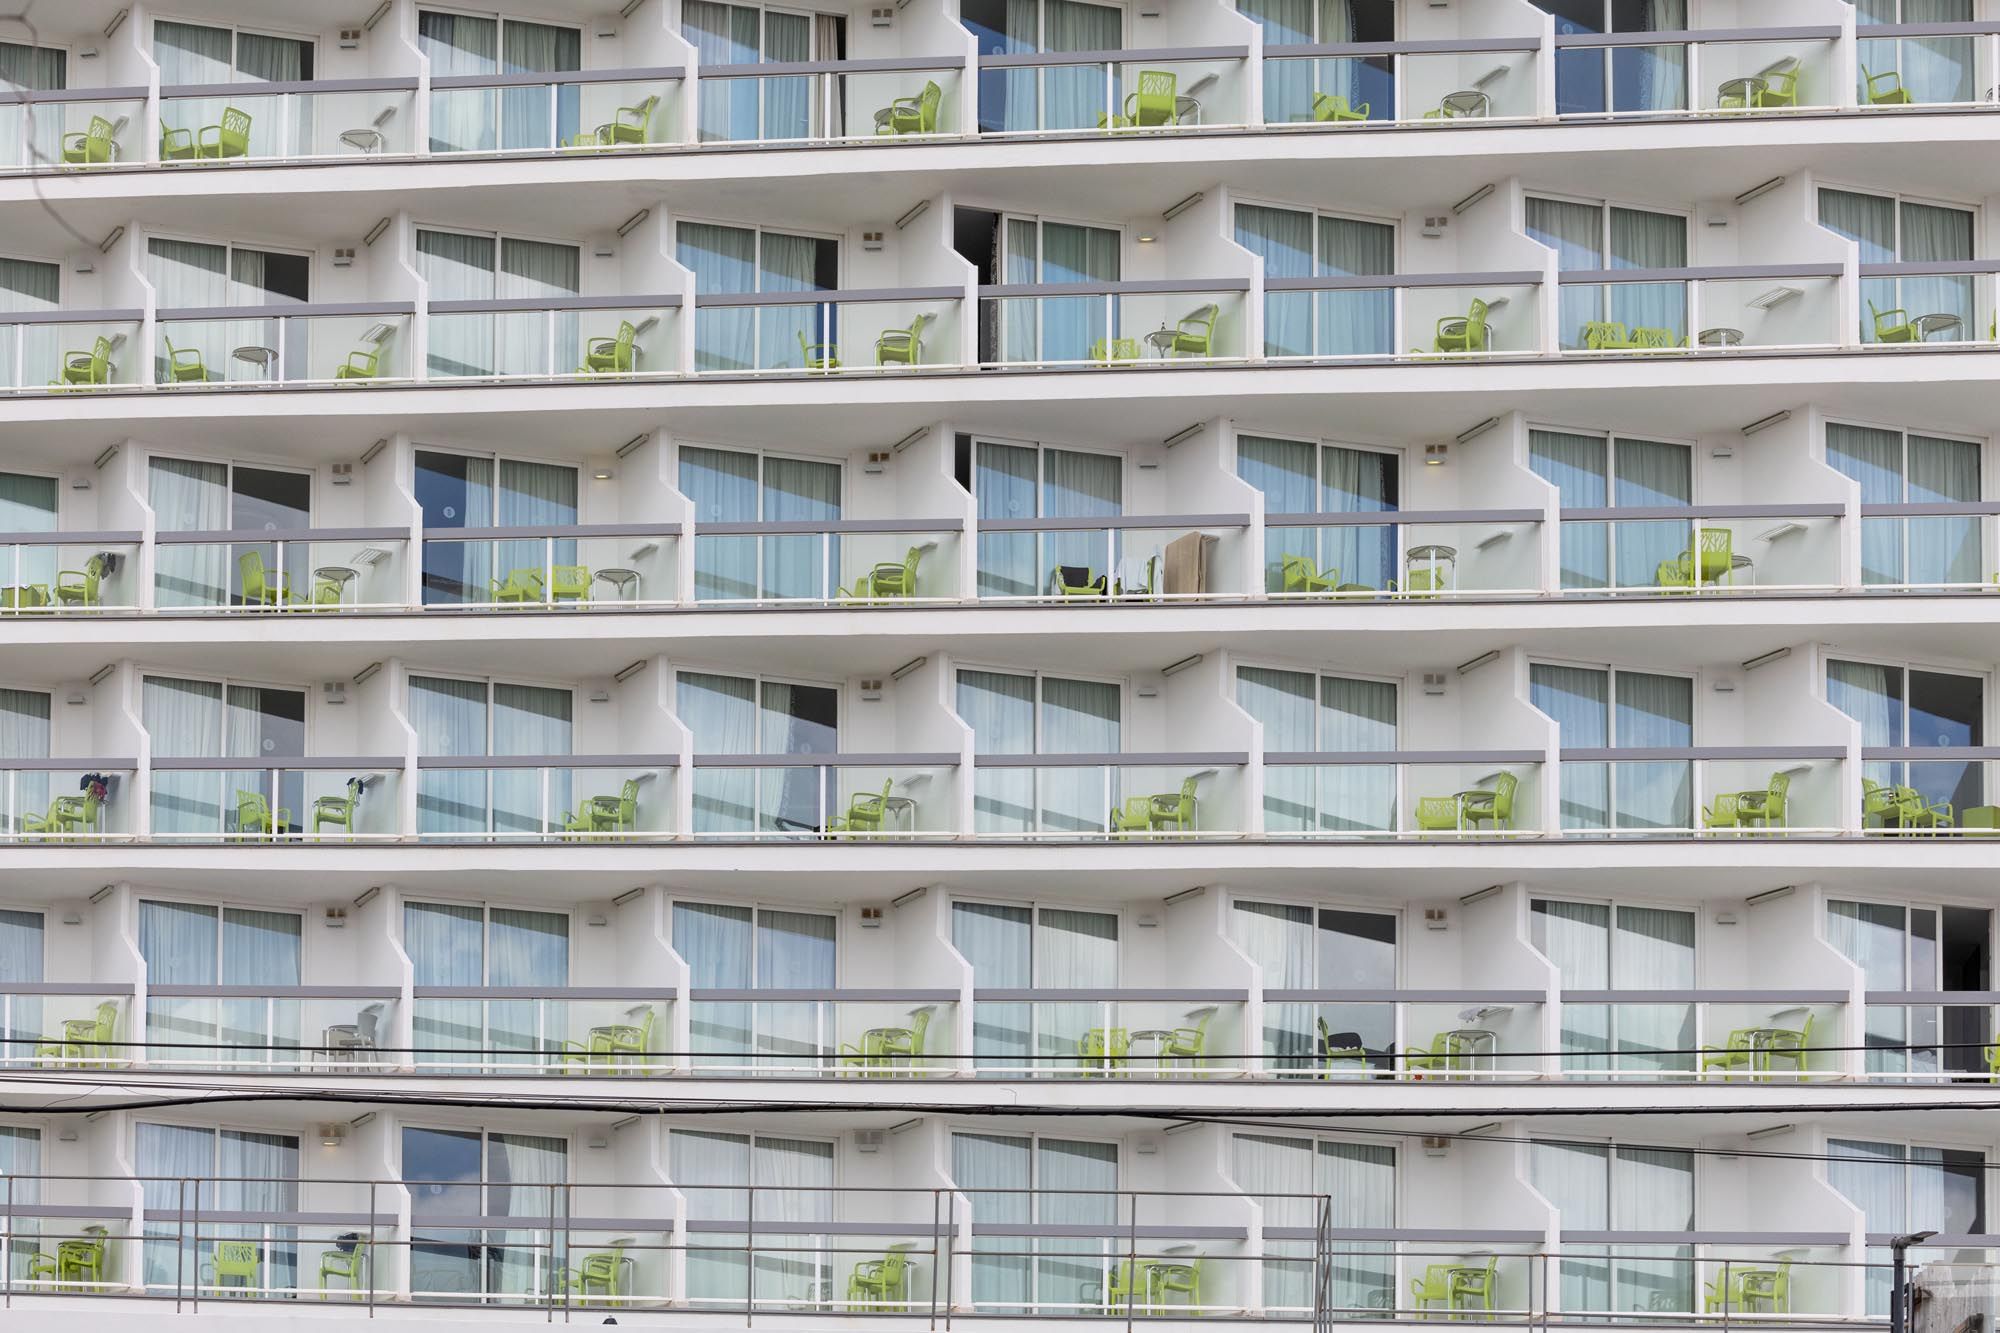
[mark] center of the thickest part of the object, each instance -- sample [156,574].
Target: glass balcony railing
[1425,1036]
[593,337]
[826,796]
[828,332]
[1084,797]
[281,344]
[1125,557]
[1635,311]
[1135,92]
[67,799]
[1381,1273]
[72,129]
[1718,550]
[1929,791]
[347,569]
[825,100]
[290,1029]
[44,1227]
[69,573]
[1944,1036]
[53,1025]
[789,1034]
[1746,791]
[1362,83]
[301,799]
[1121,324]
[1736,71]
[545,797]
[1388,794]
[851,562]
[288,121]
[1355,318]
[1903,305]
[555,1030]
[70,351]
[1746,1036]
[1918,64]
[1412,554]
[1128,1033]
[574,111]
[574,567]
[1935,545]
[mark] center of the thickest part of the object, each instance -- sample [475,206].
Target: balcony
[317,570]
[792,1034]
[1905,66]
[1115,92]
[826,796]
[64,573]
[68,799]
[296,121]
[1078,797]
[574,567]
[534,798]
[1908,305]
[1927,1036]
[1434,315]
[596,1030]
[1934,545]
[1128,1033]
[882,562]
[831,332]
[831,101]
[1431,84]
[1102,325]
[71,129]
[1745,306]
[67,1025]
[1416,1035]
[69,351]
[1711,1035]
[1713,791]
[1712,550]
[580,111]
[291,1029]
[362,343]
[1119,558]
[1928,791]
[1409,554]
[1755,71]
[1403,794]
[543,337]
[317,799]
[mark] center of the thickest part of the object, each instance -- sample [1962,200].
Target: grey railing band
[1135,522]
[299,310]
[1136,287]
[1673,753]
[1939,753]
[1384,281]
[1449,46]
[198,1215]
[1692,513]
[302,763]
[1682,36]
[739,1227]
[16,96]
[64,764]
[76,1210]
[836,525]
[531,532]
[247,91]
[1959,1241]
[1304,758]
[1975,28]
[1135,55]
[1444,1237]
[1389,517]
[1086,995]
[1216,759]
[73,317]
[780,68]
[477,761]
[1708,273]
[915,759]
[65,988]
[276,993]
[1100,1230]
[1934,269]
[537,303]
[1932,509]
[534,993]
[536,80]
[1760,1238]
[1786,997]
[1468,997]
[862,995]
[71,538]
[829,296]
[1946,997]
[257,536]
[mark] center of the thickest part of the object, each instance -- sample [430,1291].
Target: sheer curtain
[723,261]
[1653,712]
[1283,239]
[795,951]
[277,128]
[457,267]
[1021,249]
[1874,458]
[788,100]
[1653,949]
[1359,1180]
[180,946]
[189,496]
[456,45]
[1078,717]
[1652,78]
[535,342]
[1578,700]
[27,285]
[1357,716]
[190,54]
[1577,466]
[798,490]
[189,275]
[446,943]
[710,1170]
[1944,548]
[530,720]
[21,951]
[1576,233]
[1358,481]
[1649,240]
[1006,486]
[1073,95]
[259,1173]
[1355,323]
[1279,939]
[1080,485]
[798,719]
[721,712]
[164,1156]
[538,117]
[534,495]
[1647,473]
[1934,69]
[1073,325]
[1070,1271]
[184,720]
[525,948]
[1935,235]
[1073,951]
[1652,1189]
[997,941]
[724,35]
[450,720]
[989,1169]
[722,485]
[1286,473]
[1576,938]
[795,1177]
[1872,695]
[787,263]
[1282,702]
[1275,1172]
[1873,1177]
[520,1168]
[1870,221]
[718,943]
[1000,709]
[24,734]
[1575,1178]
[34,69]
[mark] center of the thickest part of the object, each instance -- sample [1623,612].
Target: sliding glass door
[737,260]
[229,1171]
[732,486]
[1055,97]
[193,54]
[1604,946]
[1012,714]
[455,718]
[1927,948]
[1932,69]
[1281,1173]
[481,120]
[1300,947]
[1301,477]
[1597,708]
[197,495]
[1014,947]
[1889,230]
[1296,244]
[457,266]
[469,491]
[1017,481]
[459,1177]
[188,944]
[466,944]
[794,1183]
[742,715]
[220,721]
[1589,237]
[1290,84]
[1906,1187]
[1057,328]
[1600,472]
[1596,1188]
[1901,706]
[738,109]
[727,947]
[1623,79]
[1073,1184]
[1302,712]
[27,286]
[1902,467]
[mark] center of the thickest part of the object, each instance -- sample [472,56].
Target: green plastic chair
[1706,567]
[83,1040]
[184,365]
[911,115]
[1893,326]
[1885,89]
[235,1260]
[1188,1044]
[1433,1289]
[83,370]
[255,817]
[819,356]
[259,589]
[880,1048]
[611,356]
[1722,812]
[348,1261]
[90,147]
[1439,814]
[1168,812]
[1605,336]
[1752,1050]
[1445,1053]
[1195,334]
[1126,1282]
[338,810]
[81,587]
[866,812]
[1464,333]
[600,1273]
[520,587]
[1104,1050]
[77,1264]
[229,139]
[1495,807]
[1078,581]
[1472,1287]
[888,579]
[569,583]
[882,1285]
[606,814]
[365,363]
[1769,808]
[1168,1277]
[67,815]
[1151,105]
[1114,351]
[630,124]
[1781,88]
[1340,1052]
[612,1044]
[1902,808]
[176,145]
[1300,574]
[903,347]
[1334,107]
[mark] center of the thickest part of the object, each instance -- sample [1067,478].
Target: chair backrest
[252,809]
[1781,786]
[917,325]
[1073,576]
[368,1022]
[1297,569]
[107,1020]
[1718,546]
[1187,797]
[100,352]
[1805,1031]
[570,580]
[235,125]
[1503,795]
[250,565]
[646,1027]
[626,333]
[628,801]
[927,106]
[100,130]
[920,1022]
[237,1256]
[1478,311]
[1202,318]
[93,570]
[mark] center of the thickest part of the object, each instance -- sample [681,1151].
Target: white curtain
[1358,481]
[519,1170]
[1282,701]
[457,267]
[189,54]
[1279,939]
[1073,96]
[1286,472]
[1578,699]
[1070,1271]
[721,712]
[190,496]
[1945,548]
[538,117]
[1874,458]
[1578,467]
[1648,473]
[26,284]
[1359,1181]
[1005,486]
[1276,1172]
[1081,485]
[787,263]
[165,1156]
[711,1170]
[1283,239]
[988,1168]
[446,943]
[997,940]
[718,941]
[1646,241]
[788,99]
[795,951]
[722,486]
[24,734]
[724,35]
[796,565]
[1651,78]
[1870,221]
[184,719]
[1653,712]
[1652,948]
[1073,950]
[1576,233]
[1576,937]
[450,720]
[1000,709]
[1072,326]
[1873,1177]
[34,69]
[537,342]
[1355,323]
[723,261]
[794,1179]
[1078,717]
[457,45]
[530,720]
[1354,716]
[525,948]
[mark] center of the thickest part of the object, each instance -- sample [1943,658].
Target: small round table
[341,577]
[261,357]
[1926,325]
[1158,1038]
[1745,88]
[1432,558]
[1162,341]
[1467,103]
[624,583]
[1720,337]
